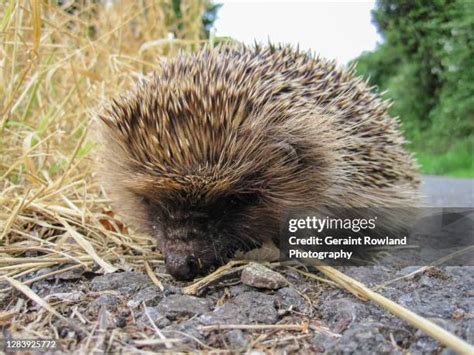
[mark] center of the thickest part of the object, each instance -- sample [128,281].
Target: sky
[338,30]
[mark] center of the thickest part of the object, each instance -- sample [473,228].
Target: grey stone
[260,276]
[258,307]
[172,290]
[188,327]
[236,339]
[175,306]
[123,282]
[108,300]
[151,295]
[73,274]
[228,313]
[289,297]
[249,307]
[364,339]
[239,289]
[342,311]
[156,316]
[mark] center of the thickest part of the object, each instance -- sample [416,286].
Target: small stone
[185,330]
[290,298]
[236,338]
[172,290]
[258,307]
[443,323]
[175,306]
[249,307]
[121,319]
[108,300]
[73,274]
[407,270]
[458,314]
[259,276]
[45,271]
[156,316]
[239,289]
[341,312]
[151,295]
[228,313]
[123,282]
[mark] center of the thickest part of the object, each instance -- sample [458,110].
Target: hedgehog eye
[145,200]
[230,201]
[233,201]
[240,200]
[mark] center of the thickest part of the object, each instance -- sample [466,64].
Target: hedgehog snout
[182,267]
[187,252]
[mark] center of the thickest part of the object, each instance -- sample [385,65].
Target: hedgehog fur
[210,152]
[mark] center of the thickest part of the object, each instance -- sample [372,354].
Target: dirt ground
[120,311]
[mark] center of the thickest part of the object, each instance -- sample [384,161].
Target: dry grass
[56,69]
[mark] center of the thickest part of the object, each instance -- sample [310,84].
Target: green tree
[426,65]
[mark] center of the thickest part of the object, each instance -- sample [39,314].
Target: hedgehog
[212,150]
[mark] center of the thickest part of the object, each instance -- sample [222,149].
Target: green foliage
[208,16]
[426,65]
[456,161]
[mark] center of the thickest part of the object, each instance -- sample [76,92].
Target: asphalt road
[441,191]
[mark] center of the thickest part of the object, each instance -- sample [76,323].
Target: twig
[157,330]
[313,276]
[153,277]
[222,272]
[303,327]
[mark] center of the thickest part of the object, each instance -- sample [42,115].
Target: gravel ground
[129,304]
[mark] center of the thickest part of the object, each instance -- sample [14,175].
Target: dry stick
[303,327]
[361,291]
[85,261]
[28,265]
[197,286]
[312,276]
[13,261]
[157,330]
[153,277]
[193,338]
[36,12]
[99,326]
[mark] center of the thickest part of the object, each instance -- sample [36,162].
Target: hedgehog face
[197,235]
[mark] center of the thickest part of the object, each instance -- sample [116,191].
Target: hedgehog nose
[181,267]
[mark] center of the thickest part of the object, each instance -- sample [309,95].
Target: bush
[426,66]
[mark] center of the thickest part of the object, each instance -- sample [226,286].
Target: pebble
[260,276]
